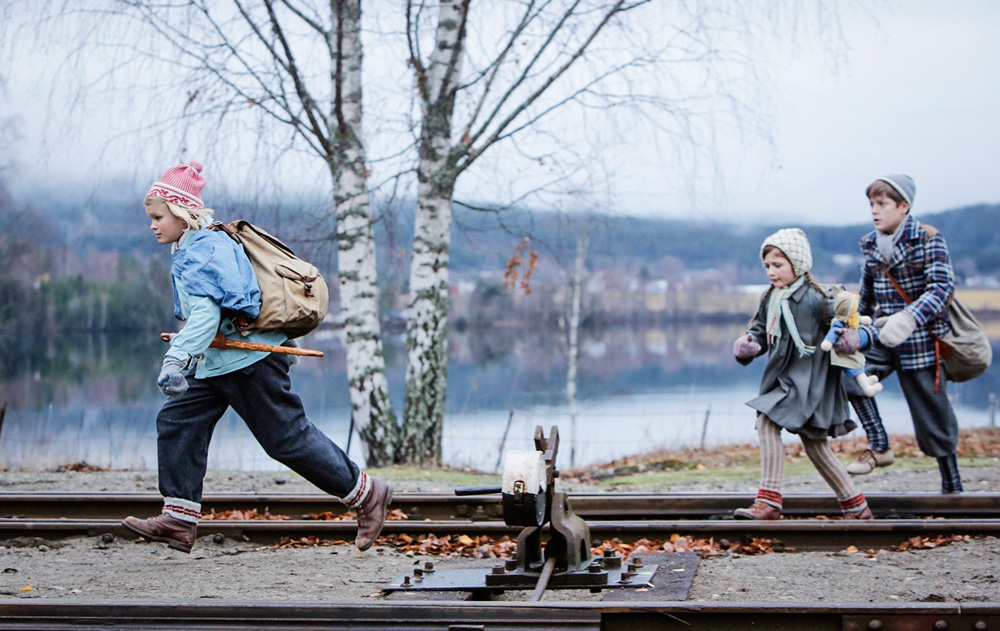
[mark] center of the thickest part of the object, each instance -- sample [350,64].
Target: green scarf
[778,308]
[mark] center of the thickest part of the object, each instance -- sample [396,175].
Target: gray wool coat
[801,394]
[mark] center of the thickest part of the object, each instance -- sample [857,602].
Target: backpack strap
[218,226]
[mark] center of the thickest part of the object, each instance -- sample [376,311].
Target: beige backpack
[293,295]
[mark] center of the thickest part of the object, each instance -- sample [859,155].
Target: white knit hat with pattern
[795,245]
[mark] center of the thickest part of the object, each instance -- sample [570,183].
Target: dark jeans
[934,421]
[261,394]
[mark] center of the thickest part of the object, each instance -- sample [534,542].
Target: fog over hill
[483,241]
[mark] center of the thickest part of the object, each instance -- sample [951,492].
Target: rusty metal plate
[476,580]
[921,622]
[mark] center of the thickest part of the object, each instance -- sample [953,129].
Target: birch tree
[291,74]
[530,79]
[500,96]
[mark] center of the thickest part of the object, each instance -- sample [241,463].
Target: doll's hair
[194,218]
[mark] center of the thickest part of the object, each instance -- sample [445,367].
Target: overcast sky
[919,94]
[916,91]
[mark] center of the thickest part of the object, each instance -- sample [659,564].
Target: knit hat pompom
[795,245]
[181,185]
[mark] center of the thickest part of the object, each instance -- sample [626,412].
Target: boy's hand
[172,381]
[745,347]
[896,329]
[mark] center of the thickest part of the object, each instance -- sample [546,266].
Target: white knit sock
[185,510]
[359,492]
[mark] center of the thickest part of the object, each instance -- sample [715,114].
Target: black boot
[951,478]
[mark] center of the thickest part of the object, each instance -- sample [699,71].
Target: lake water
[94,399]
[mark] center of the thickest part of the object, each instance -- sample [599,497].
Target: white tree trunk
[427,318]
[371,407]
[573,347]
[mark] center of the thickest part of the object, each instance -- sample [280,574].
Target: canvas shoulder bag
[294,297]
[965,351]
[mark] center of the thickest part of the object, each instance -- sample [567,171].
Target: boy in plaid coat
[900,249]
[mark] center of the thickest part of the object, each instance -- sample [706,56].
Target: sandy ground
[91,568]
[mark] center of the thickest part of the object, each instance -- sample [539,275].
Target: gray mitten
[172,381]
[896,329]
[745,347]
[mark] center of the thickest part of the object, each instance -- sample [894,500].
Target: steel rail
[427,615]
[801,534]
[418,506]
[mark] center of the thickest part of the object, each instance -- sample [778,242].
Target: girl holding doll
[800,391]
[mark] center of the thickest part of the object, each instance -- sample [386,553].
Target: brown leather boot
[864,514]
[176,533]
[758,510]
[372,512]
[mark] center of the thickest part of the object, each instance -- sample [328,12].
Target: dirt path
[91,568]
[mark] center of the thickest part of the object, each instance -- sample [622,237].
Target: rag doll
[845,309]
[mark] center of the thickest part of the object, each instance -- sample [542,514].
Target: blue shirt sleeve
[202,324]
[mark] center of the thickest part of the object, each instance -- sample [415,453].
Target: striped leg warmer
[854,505]
[772,461]
[832,470]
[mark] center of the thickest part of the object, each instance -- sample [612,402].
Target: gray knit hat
[795,245]
[904,186]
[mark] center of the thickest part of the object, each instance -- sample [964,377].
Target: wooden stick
[221,342]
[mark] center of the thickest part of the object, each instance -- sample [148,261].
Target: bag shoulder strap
[938,344]
[930,230]
[218,226]
[906,297]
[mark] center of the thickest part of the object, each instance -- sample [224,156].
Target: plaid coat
[921,265]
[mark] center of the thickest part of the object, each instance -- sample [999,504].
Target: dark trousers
[261,394]
[934,421]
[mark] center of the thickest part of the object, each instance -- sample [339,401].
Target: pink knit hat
[181,185]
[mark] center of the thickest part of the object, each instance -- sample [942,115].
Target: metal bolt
[429,566]
[941,625]
[632,566]
[406,581]
[499,568]
[874,625]
[980,626]
[511,564]
[637,562]
[219,538]
[609,552]
[594,568]
[417,572]
[107,537]
[626,578]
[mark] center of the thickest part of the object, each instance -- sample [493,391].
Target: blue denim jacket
[210,272]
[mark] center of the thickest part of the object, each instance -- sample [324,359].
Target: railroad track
[654,516]
[53,515]
[437,506]
[496,616]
